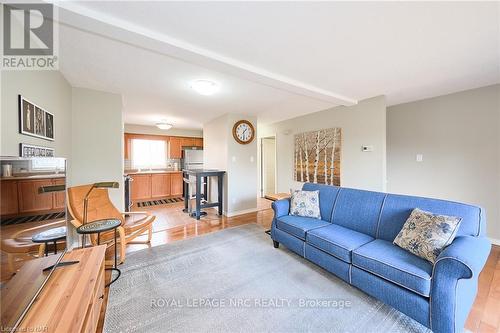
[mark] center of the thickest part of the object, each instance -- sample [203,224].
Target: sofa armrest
[281,207]
[454,282]
[469,253]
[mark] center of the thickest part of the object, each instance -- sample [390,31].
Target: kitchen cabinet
[59,200]
[155,185]
[198,142]
[175,150]
[127,141]
[140,187]
[176,184]
[160,185]
[8,199]
[29,198]
[187,142]
[22,197]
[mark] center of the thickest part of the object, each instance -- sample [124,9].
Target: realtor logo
[28,36]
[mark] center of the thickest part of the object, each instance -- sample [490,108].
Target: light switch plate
[420,157]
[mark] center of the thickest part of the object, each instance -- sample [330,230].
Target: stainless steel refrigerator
[192,158]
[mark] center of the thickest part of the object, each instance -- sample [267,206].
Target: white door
[268,166]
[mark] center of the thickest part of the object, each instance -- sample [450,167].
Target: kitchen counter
[28,177]
[135,172]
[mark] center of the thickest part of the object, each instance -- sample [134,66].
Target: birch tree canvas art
[317,156]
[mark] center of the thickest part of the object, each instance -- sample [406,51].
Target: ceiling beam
[80,17]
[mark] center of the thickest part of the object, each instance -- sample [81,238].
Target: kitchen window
[148,154]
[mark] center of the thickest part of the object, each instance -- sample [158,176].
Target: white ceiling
[156,87]
[276,60]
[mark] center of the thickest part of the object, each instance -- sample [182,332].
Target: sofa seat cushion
[298,225]
[337,240]
[388,261]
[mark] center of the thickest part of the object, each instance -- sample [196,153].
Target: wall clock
[243,132]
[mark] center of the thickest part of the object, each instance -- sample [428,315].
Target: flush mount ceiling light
[164,126]
[205,87]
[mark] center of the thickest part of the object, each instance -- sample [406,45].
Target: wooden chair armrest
[136,213]
[34,228]
[76,223]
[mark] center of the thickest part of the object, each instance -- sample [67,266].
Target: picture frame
[317,157]
[27,150]
[35,121]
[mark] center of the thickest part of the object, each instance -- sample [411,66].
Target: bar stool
[191,189]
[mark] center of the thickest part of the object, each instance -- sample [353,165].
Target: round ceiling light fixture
[205,87]
[164,126]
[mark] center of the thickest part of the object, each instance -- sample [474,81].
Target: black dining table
[204,174]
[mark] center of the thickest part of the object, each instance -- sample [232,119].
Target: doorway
[268,166]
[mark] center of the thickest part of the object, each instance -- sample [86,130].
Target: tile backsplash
[169,162]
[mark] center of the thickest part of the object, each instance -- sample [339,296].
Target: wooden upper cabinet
[175,150]
[187,142]
[126,146]
[8,197]
[59,197]
[140,187]
[198,142]
[160,185]
[29,198]
[177,182]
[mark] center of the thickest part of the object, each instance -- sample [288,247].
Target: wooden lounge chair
[100,207]
[16,241]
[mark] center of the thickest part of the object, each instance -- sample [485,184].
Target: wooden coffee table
[277,196]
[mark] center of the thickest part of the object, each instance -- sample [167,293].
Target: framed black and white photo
[35,121]
[49,125]
[26,150]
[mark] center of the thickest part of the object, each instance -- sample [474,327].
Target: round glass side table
[97,227]
[50,236]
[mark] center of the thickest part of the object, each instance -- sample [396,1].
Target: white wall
[458,136]
[142,129]
[215,152]
[268,155]
[49,90]
[221,151]
[97,140]
[242,169]
[362,124]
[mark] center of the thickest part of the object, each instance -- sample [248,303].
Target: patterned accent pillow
[426,234]
[305,203]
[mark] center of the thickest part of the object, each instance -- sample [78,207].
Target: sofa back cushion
[397,209]
[358,210]
[327,196]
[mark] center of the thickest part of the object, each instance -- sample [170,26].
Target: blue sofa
[353,240]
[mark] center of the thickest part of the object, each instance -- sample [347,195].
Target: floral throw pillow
[305,203]
[426,234]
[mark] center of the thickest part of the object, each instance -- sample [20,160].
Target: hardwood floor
[483,318]
[485,314]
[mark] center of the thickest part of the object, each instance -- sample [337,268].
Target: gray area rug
[235,281]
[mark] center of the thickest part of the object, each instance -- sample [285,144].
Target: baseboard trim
[241,212]
[495,241]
